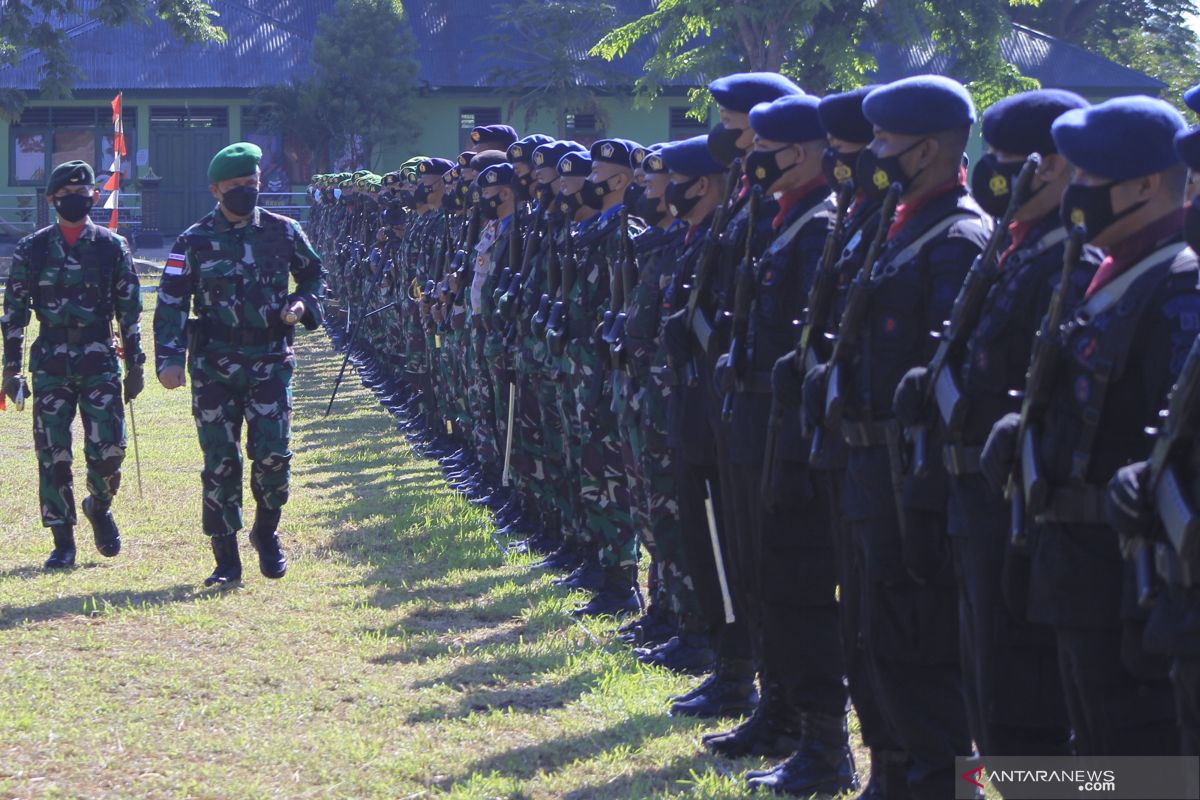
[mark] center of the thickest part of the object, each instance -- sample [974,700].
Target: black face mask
[240,200]
[993,183]
[676,199]
[874,174]
[464,192]
[593,193]
[545,194]
[523,186]
[762,168]
[838,167]
[73,207]
[633,192]
[407,196]
[394,214]
[450,201]
[722,144]
[1091,207]
[491,206]
[648,209]
[568,204]
[1191,226]
[421,195]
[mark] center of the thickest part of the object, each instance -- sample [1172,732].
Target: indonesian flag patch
[175,264]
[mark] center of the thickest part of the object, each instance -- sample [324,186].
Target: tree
[545,61]
[364,77]
[37,26]
[816,42]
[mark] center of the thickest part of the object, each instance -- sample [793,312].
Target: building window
[684,127]
[469,118]
[583,128]
[286,160]
[45,137]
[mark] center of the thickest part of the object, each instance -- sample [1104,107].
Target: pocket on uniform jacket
[220,283]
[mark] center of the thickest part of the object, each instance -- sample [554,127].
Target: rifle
[820,302]
[850,328]
[555,335]
[614,317]
[963,319]
[1027,488]
[537,323]
[628,280]
[706,266]
[743,299]
[353,337]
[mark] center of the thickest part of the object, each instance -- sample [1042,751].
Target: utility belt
[1079,504]
[213,331]
[865,434]
[83,334]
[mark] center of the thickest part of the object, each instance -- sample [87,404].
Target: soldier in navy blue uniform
[909,618]
[1010,683]
[1119,352]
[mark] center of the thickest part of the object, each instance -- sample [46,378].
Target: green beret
[235,161]
[70,173]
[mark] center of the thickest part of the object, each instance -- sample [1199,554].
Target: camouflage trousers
[575,528]
[229,388]
[529,467]
[604,488]
[481,406]
[499,376]
[98,400]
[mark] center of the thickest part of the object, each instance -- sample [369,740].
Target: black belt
[961,460]
[1083,505]
[864,434]
[84,334]
[226,334]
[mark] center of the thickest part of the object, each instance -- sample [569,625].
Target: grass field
[402,657]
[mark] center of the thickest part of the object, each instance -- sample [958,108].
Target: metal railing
[19,212]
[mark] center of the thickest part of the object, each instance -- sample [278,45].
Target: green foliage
[364,77]
[547,41]
[36,26]
[1006,81]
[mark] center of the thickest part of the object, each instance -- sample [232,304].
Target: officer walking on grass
[75,276]
[232,268]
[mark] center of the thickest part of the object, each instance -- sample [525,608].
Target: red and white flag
[113,184]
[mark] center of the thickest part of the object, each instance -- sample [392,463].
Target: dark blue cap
[548,155]
[496,175]
[575,164]
[503,135]
[1020,124]
[1187,147]
[842,115]
[613,151]
[789,119]
[435,166]
[691,157]
[521,151]
[653,163]
[742,91]
[920,105]
[1122,138]
[1192,98]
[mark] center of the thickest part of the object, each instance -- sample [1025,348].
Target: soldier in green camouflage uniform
[232,267]
[76,277]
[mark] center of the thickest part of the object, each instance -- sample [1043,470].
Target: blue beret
[654,164]
[435,166]
[496,175]
[789,119]
[504,134]
[691,157]
[920,105]
[575,164]
[742,91]
[842,115]
[521,151]
[613,151]
[1187,147]
[1020,124]
[1192,98]
[1123,138]
[548,155]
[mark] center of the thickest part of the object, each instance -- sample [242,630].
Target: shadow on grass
[95,603]
[537,699]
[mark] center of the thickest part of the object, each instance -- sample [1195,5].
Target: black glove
[135,381]
[1127,504]
[12,385]
[909,401]
[677,339]
[814,397]
[1000,452]
[787,384]
[723,375]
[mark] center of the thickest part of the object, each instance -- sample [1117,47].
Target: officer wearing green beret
[75,276]
[232,269]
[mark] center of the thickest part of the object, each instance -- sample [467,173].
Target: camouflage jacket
[83,286]
[235,277]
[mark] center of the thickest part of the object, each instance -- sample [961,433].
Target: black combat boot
[822,765]
[687,653]
[104,528]
[774,729]
[265,539]
[229,562]
[63,554]
[566,557]
[619,595]
[588,576]
[889,776]
[728,692]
